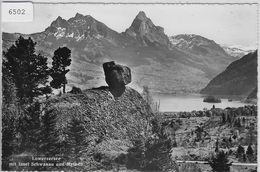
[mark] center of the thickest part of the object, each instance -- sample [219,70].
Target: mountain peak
[141,16]
[59,18]
[59,22]
[78,16]
[143,30]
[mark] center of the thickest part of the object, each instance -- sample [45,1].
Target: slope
[239,78]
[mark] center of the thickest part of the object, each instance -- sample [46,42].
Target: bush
[75,90]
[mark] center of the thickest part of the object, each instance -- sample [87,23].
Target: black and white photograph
[116,86]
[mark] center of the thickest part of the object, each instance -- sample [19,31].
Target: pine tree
[9,89]
[77,137]
[244,121]
[250,153]
[29,127]
[223,118]
[48,137]
[10,114]
[244,157]
[61,60]
[240,151]
[9,144]
[220,162]
[27,70]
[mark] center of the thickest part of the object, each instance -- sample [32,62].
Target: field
[198,138]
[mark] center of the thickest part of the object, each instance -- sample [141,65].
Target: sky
[231,24]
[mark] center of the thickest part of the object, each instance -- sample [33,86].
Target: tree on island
[61,60]
[27,69]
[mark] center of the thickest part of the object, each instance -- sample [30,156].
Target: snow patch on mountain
[243,47]
[79,38]
[238,50]
[185,41]
[60,32]
[70,35]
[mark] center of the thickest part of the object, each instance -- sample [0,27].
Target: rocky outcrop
[239,78]
[117,75]
[103,116]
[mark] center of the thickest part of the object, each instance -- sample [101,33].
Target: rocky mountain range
[239,78]
[196,44]
[179,64]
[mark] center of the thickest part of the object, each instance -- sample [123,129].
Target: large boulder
[117,76]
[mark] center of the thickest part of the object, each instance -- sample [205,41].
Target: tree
[249,153]
[216,149]
[244,121]
[244,157]
[9,142]
[27,70]
[9,90]
[240,151]
[250,135]
[147,96]
[48,136]
[220,162]
[199,130]
[237,123]
[223,118]
[77,137]
[29,127]
[61,60]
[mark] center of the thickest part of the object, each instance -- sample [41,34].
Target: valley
[174,64]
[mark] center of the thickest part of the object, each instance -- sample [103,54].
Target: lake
[190,102]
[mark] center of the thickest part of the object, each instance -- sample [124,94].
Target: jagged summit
[81,27]
[78,16]
[59,22]
[147,34]
[142,31]
[141,16]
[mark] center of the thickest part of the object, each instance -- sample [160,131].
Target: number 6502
[17,11]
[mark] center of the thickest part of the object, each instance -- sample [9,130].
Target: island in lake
[212,99]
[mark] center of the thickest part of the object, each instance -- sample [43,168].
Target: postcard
[129,86]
